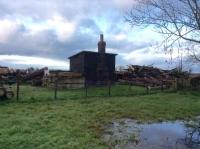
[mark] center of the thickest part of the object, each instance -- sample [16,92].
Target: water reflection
[129,134]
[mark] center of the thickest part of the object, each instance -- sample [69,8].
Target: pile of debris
[145,76]
[7,76]
[51,78]
[35,77]
[6,93]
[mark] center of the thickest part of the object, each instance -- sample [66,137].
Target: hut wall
[77,64]
[91,62]
[87,64]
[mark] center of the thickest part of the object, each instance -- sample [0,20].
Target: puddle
[129,134]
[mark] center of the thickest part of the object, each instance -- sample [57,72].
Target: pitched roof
[90,52]
[3,67]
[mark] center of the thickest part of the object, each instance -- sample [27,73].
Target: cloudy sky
[38,33]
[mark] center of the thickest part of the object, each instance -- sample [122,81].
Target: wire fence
[25,92]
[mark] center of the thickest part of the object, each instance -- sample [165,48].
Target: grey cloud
[32,8]
[46,44]
[38,9]
[89,24]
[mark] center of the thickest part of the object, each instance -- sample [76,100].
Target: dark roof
[90,52]
[57,71]
[3,67]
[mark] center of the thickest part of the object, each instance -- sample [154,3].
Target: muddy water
[129,134]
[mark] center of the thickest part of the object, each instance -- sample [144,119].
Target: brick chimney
[101,45]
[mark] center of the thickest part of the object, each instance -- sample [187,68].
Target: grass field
[73,121]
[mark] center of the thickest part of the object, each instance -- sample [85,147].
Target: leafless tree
[177,20]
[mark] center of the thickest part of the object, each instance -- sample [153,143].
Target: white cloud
[8,29]
[147,56]
[110,50]
[139,56]
[124,4]
[121,36]
[33,61]
[63,28]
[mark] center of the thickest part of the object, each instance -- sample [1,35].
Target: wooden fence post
[162,86]
[109,88]
[18,81]
[56,86]
[148,89]
[130,86]
[86,89]
[175,84]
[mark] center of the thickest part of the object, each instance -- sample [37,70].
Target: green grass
[73,121]
[28,93]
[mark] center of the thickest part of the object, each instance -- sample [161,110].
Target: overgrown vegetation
[39,121]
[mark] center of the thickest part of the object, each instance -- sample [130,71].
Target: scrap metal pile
[145,76]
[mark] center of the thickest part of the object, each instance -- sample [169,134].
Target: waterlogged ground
[129,134]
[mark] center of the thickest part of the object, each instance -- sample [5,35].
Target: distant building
[96,67]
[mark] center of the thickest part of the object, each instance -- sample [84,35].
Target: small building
[96,67]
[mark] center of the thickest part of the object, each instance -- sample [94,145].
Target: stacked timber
[145,76]
[63,80]
[7,75]
[4,70]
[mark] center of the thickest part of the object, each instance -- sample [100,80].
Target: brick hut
[96,67]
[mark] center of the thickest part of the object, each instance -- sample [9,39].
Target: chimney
[101,45]
[101,37]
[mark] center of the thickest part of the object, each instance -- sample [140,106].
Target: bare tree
[177,20]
